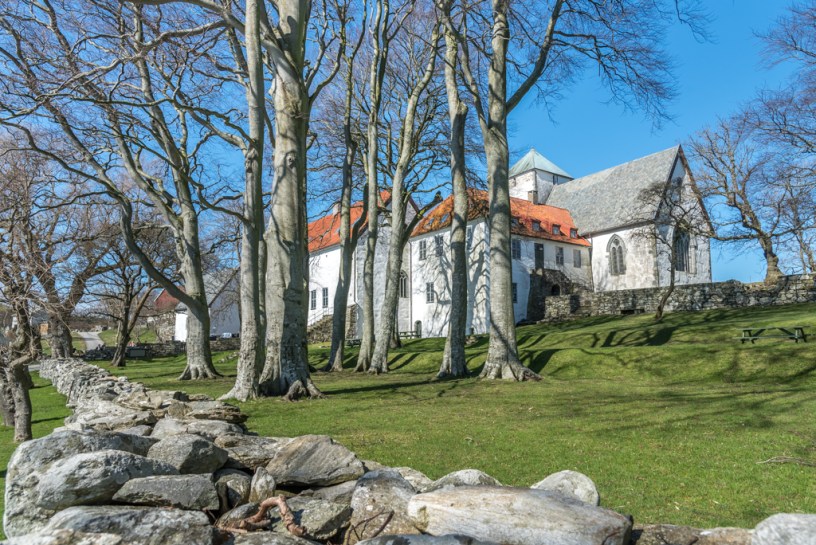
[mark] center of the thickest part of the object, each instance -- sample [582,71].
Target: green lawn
[140,335]
[669,420]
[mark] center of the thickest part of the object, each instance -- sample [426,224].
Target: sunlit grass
[670,420]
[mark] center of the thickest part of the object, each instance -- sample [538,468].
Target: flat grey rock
[340,493]
[269,538]
[262,486]
[670,534]
[463,477]
[322,520]
[139,525]
[314,460]
[64,537]
[250,451]
[233,487]
[418,480]
[189,453]
[517,516]
[192,492]
[573,484]
[94,477]
[786,529]
[209,429]
[410,539]
[380,497]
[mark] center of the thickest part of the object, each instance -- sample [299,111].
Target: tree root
[198,374]
[258,521]
[303,388]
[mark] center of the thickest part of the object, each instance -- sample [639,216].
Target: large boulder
[233,487]
[33,458]
[517,516]
[340,493]
[209,429]
[94,477]
[787,529]
[423,540]
[322,520]
[380,497]
[139,525]
[669,534]
[573,484]
[463,477]
[269,538]
[262,486]
[250,451]
[314,460]
[189,453]
[418,480]
[64,537]
[193,492]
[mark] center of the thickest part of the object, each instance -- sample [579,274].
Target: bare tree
[736,175]
[104,80]
[623,41]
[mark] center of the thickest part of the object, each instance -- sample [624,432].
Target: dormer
[533,177]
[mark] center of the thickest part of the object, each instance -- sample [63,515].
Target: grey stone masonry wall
[718,295]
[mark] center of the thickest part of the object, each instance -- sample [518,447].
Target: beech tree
[497,41]
[103,80]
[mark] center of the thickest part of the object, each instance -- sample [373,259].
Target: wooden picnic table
[796,333]
[353,342]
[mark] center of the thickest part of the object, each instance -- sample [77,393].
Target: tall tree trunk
[772,271]
[59,336]
[21,383]
[6,398]
[251,356]
[286,369]
[502,356]
[454,363]
[376,76]
[388,309]
[122,338]
[199,358]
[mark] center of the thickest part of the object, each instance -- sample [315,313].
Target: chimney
[532,196]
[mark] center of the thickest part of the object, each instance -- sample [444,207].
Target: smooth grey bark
[454,363]
[251,356]
[502,357]
[286,370]
[399,202]
[19,354]
[380,44]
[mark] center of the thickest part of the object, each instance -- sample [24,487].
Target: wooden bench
[354,342]
[409,334]
[796,333]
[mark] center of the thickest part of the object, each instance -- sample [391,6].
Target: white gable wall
[324,271]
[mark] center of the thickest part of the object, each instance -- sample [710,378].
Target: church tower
[533,177]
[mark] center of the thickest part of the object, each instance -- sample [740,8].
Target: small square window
[423,249]
[515,247]
[515,292]
[536,226]
[559,255]
[556,229]
[430,294]
[573,233]
[439,245]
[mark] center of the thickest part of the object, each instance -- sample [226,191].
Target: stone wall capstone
[153,467]
[690,297]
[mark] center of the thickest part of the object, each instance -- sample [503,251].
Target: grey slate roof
[532,159]
[610,199]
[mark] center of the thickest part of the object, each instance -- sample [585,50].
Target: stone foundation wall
[139,466]
[719,295]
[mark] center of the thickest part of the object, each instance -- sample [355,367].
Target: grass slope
[670,420]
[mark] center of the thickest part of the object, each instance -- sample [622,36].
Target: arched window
[403,285]
[617,256]
[681,251]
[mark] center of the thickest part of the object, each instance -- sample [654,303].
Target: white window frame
[515,248]
[559,255]
[313,300]
[423,249]
[430,293]
[325,297]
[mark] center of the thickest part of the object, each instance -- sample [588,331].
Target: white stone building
[222,289]
[606,231]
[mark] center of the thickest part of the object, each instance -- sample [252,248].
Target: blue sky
[588,134]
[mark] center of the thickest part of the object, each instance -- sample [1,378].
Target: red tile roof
[525,211]
[325,232]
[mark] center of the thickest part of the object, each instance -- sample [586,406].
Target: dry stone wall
[718,295]
[139,466]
